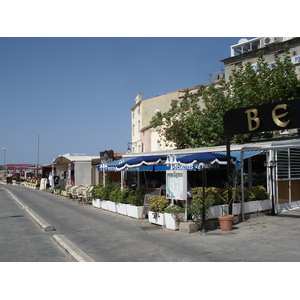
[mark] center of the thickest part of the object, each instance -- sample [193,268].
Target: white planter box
[135,211]
[216,211]
[171,223]
[249,207]
[264,204]
[96,203]
[112,206]
[122,208]
[104,204]
[159,219]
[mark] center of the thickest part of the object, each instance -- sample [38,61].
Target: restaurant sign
[267,117]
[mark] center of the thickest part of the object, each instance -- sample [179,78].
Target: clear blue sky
[76,93]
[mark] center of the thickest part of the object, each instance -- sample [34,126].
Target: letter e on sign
[277,117]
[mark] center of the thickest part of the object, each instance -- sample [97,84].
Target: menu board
[176,184]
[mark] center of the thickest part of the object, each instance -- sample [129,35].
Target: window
[288,164]
[245,46]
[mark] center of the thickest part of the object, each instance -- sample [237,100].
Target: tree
[180,124]
[187,125]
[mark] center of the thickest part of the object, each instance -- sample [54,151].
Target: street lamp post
[271,165]
[129,146]
[204,185]
[4,153]
[171,161]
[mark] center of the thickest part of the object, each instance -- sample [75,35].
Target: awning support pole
[228,172]
[242,184]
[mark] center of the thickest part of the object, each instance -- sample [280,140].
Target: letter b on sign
[253,120]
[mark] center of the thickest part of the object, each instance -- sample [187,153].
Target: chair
[71,190]
[87,195]
[79,192]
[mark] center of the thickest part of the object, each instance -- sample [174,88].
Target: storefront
[75,170]
[282,179]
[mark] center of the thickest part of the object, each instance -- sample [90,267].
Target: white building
[79,169]
[247,51]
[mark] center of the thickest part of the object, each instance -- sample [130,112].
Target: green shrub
[124,196]
[259,192]
[176,211]
[215,194]
[236,194]
[136,197]
[196,206]
[158,203]
[105,191]
[115,195]
[96,191]
[255,193]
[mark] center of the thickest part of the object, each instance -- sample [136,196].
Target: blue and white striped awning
[237,153]
[141,161]
[111,166]
[156,163]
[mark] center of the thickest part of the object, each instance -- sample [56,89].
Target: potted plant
[226,219]
[157,205]
[174,214]
[104,194]
[135,200]
[57,190]
[196,207]
[122,202]
[115,197]
[96,195]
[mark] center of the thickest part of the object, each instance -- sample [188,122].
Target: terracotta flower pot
[226,222]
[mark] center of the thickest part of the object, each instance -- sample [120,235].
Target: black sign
[106,156]
[267,117]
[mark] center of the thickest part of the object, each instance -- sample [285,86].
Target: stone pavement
[263,238]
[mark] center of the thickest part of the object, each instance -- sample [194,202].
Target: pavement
[262,238]
[20,239]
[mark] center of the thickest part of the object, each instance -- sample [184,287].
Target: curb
[70,249]
[40,221]
[17,200]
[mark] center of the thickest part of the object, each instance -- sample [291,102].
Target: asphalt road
[21,240]
[108,237]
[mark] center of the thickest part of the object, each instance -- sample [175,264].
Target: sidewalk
[263,238]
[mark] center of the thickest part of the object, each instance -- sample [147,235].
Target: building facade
[247,51]
[144,138]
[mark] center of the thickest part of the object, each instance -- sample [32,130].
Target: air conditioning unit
[269,40]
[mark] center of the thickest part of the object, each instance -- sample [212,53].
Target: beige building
[247,51]
[143,137]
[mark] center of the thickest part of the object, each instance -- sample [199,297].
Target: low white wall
[249,207]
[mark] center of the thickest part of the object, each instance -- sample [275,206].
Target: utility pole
[38,156]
